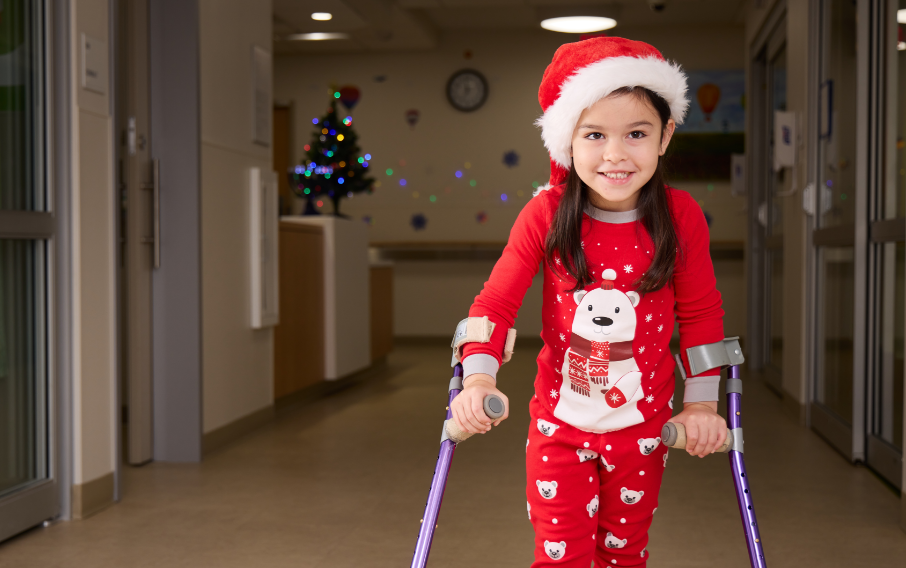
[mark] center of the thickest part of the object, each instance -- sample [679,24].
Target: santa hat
[584,72]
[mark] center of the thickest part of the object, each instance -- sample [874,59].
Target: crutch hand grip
[493,407]
[673,435]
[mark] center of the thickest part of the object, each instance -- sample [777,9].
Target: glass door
[769,187]
[28,493]
[837,407]
[887,254]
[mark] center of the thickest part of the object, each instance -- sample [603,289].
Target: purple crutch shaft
[436,494]
[741,481]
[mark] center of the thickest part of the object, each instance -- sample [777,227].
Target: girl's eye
[594,136]
[636,134]
[589,307]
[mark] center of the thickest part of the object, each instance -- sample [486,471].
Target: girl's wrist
[710,405]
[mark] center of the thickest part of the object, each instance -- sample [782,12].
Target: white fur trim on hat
[597,80]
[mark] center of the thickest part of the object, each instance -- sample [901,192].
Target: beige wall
[238,361]
[431,297]
[94,268]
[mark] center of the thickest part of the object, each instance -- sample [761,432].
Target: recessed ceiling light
[901,16]
[321,16]
[315,36]
[578,24]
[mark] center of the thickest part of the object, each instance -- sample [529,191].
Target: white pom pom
[610,274]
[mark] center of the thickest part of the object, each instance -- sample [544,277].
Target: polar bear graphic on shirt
[601,379]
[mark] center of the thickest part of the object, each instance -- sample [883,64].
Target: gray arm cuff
[480,363]
[702,389]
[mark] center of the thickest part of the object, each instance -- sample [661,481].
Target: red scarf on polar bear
[590,360]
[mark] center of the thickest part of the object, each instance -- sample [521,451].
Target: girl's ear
[668,134]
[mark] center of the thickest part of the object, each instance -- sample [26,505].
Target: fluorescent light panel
[578,24]
[315,36]
[321,16]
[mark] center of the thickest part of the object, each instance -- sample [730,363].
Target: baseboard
[325,388]
[793,408]
[220,437]
[92,497]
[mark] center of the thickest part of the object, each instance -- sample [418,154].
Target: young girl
[622,253]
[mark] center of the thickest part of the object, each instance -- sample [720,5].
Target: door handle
[154,186]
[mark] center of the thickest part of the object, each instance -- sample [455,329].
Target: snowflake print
[628,268]
[641,349]
[660,327]
[554,394]
[583,245]
[648,318]
[649,398]
[557,260]
[652,375]
[559,299]
[562,337]
[615,397]
[600,353]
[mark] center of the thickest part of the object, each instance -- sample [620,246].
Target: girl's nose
[614,152]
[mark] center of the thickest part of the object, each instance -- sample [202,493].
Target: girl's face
[615,149]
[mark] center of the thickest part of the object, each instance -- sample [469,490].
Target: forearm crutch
[451,436]
[726,353]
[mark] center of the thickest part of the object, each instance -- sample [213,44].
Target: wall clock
[467,90]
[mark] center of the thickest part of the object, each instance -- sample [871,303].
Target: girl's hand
[468,406]
[706,430]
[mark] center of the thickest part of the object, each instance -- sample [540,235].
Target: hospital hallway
[341,481]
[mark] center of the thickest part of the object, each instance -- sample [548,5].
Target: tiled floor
[342,482]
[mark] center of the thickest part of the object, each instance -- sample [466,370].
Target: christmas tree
[332,166]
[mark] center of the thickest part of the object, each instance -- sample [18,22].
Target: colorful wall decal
[418,222]
[511,159]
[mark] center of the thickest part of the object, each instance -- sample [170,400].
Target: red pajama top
[606,362]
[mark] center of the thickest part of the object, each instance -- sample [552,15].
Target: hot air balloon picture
[708,96]
[412,116]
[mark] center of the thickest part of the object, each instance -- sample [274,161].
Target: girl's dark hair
[564,240]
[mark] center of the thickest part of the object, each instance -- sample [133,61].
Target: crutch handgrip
[673,435]
[493,407]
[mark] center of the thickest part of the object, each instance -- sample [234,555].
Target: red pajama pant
[592,496]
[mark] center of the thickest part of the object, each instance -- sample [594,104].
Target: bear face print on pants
[647,445]
[548,489]
[546,428]
[592,507]
[586,455]
[629,496]
[613,542]
[555,550]
[606,465]
[601,379]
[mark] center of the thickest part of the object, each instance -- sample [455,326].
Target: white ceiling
[416,24]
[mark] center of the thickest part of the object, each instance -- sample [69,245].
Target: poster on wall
[714,128]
